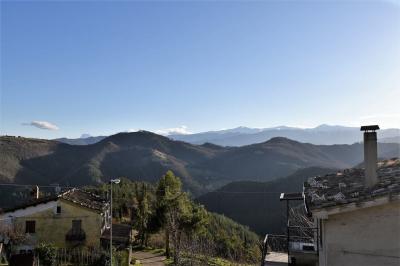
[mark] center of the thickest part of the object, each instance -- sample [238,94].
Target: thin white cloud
[182,130]
[132,130]
[300,126]
[42,125]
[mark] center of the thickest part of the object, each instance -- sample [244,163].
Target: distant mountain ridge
[84,140]
[241,136]
[320,135]
[146,156]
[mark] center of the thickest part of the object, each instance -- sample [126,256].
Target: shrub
[46,253]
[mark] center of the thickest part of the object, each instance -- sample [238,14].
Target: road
[147,258]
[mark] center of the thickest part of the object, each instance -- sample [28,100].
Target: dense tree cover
[149,156]
[179,215]
[232,240]
[189,232]
[257,204]
[142,211]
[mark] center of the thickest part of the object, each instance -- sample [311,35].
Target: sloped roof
[75,195]
[121,233]
[348,186]
[31,203]
[84,199]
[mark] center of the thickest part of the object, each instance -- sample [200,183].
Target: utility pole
[112,181]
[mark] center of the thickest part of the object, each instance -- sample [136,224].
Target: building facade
[359,224]
[71,219]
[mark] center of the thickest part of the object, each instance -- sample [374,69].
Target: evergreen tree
[143,211]
[179,214]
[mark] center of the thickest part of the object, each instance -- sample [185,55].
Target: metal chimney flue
[370,154]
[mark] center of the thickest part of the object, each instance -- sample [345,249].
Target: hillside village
[354,216]
[72,225]
[199,133]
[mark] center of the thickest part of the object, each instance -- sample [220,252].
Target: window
[30,227]
[308,248]
[76,233]
[76,226]
[58,209]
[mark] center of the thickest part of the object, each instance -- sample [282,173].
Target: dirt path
[147,258]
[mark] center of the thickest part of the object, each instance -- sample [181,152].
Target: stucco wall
[52,227]
[369,236]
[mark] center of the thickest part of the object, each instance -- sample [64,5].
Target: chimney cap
[369,128]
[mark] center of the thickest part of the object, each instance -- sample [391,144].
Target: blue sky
[101,67]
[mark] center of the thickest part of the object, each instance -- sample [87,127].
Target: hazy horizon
[183,130]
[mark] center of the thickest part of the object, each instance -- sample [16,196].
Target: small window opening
[30,227]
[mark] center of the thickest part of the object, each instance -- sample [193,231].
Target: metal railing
[300,240]
[75,236]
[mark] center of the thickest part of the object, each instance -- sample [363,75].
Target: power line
[246,192]
[28,185]
[217,191]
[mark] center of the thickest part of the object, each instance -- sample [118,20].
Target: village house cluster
[354,214]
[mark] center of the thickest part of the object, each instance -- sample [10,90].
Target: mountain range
[240,136]
[83,140]
[320,135]
[147,156]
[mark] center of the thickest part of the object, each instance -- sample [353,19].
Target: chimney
[35,192]
[370,154]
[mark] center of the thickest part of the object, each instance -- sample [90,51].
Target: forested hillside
[256,204]
[185,229]
[146,156]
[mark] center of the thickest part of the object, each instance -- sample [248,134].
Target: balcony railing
[75,235]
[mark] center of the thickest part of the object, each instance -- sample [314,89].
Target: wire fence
[77,256]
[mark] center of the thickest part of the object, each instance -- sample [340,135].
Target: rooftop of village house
[348,186]
[75,195]
[84,198]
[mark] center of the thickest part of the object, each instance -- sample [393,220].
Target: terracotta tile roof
[348,186]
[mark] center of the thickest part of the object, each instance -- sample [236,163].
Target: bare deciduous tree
[10,234]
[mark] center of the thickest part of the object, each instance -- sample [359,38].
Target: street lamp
[112,181]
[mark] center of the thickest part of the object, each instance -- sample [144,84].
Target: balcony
[302,250]
[75,235]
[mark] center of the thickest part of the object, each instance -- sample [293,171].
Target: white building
[357,212]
